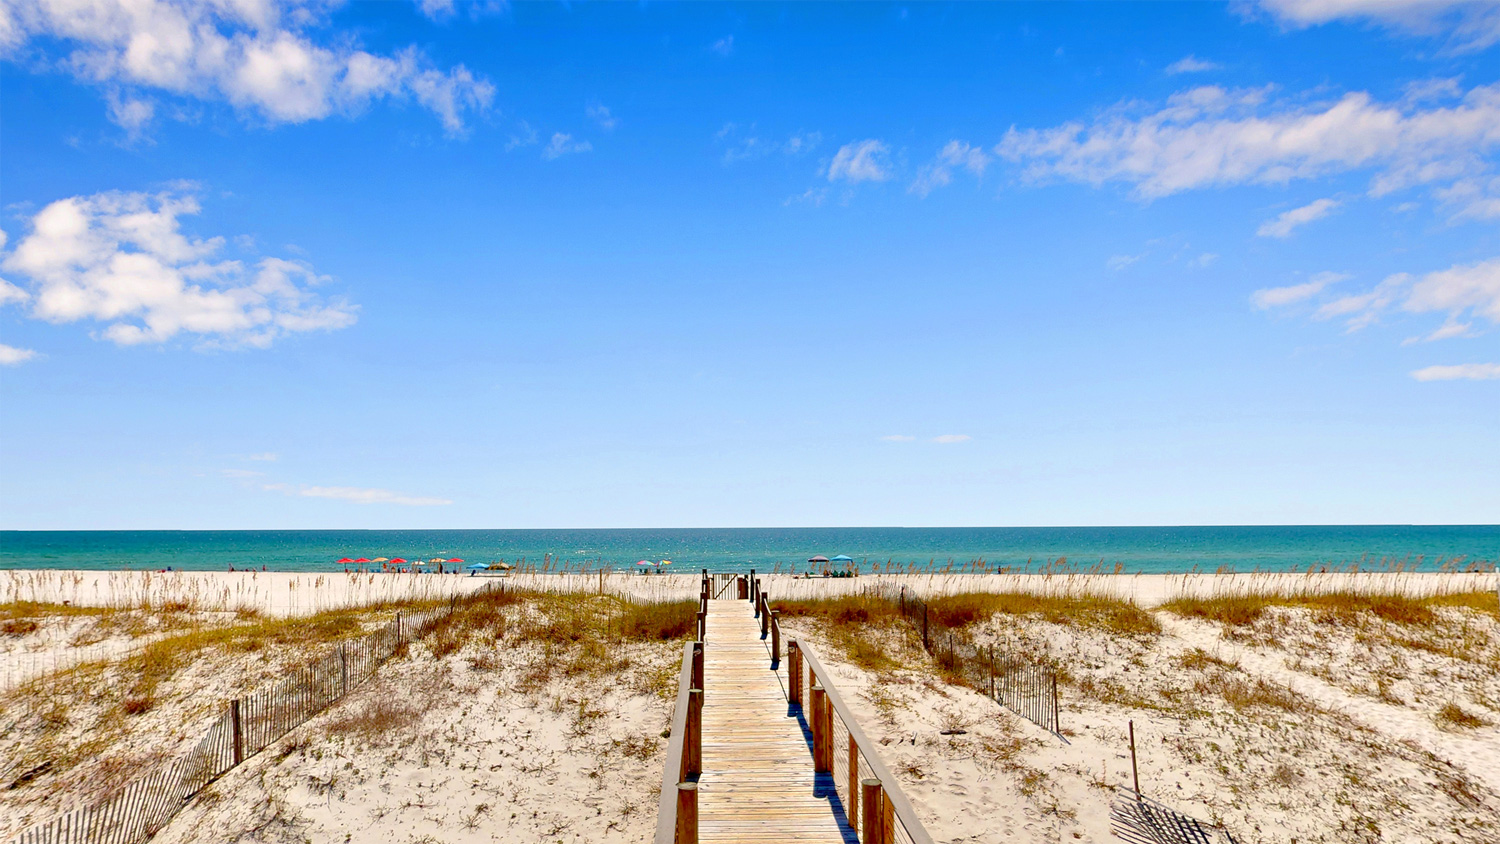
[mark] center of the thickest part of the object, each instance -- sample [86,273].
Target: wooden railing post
[698,665]
[765,615]
[692,751]
[238,728]
[872,800]
[702,624]
[750,585]
[852,810]
[775,637]
[398,627]
[344,667]
[1056,712]
[820,737]
[794,672]
[687,813]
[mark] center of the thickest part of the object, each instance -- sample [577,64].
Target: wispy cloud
[1120,262]
[358,495]
[1213,137]
[563,144]
[724,46]
[12,356]
[861,161]
[1286,221]
[947,439]
[264,457]
[599,113]
[1467,24]
[1459,372]
[523,136]
[954,155]
[746,144]
[1191,64]
[1276,297]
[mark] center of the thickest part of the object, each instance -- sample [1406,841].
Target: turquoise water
[1143,549]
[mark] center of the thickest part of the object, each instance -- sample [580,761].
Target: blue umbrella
[473,566]
[842,559]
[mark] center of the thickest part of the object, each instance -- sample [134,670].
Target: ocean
[1134,549]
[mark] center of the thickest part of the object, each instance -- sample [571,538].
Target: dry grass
[1087,612]
[1331,608]
[1453,716]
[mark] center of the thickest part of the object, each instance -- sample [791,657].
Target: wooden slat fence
[1024,685]
[1141,820]
[136,812]
[874,804]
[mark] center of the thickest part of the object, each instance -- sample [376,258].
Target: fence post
[687,813]
[992,670]
[702,624]
[398,627]
[871,801]
[765,615]
[1134,774]
[775,637]
[239,731]
[820,739]
[698,665]
[344,668]
[750,585]
[1056,712]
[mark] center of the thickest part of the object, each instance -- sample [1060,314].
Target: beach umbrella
[398,561]
[361,560]
[644,563]
[455,560]
[500,566]
[818,559]
[476,566]
[346,560]
[842,558]
[380,560]
[665,563]
[437,560]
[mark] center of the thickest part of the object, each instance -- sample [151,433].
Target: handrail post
[698,665]
[872,801]
[692,756]
[765,615]
[687,813]
[702,620]
[750,581]
[775,637]
[820,737]
[852,810]
[794,672]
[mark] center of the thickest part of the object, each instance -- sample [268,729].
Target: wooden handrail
[890,786]
[672,769]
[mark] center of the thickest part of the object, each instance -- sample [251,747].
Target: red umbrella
[346,560]
[398,560]
[455,560]
[361,560]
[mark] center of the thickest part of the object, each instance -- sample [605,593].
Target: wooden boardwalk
[757,782]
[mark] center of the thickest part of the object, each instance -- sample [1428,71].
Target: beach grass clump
[1342,608]
[1453,716]
[1088,612]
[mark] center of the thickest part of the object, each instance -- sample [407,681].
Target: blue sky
[596,265]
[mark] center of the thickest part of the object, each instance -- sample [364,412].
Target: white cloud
[122,260]
[1120,262]
[898,438]
[1212,137]
[861,161]
[954,155]
[1285,222]
[524,136]
[563,144]
[1204,260]
[1459,289]
[600,114]
[9,292]
[812,196]
[12,356]
[261,56]
[745,145]
[1469,24]
[952,438]
[358,495]
[1459,372]
[1276,297]
[724,46]
[1191,64]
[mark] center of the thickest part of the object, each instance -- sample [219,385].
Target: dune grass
[1332,607]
